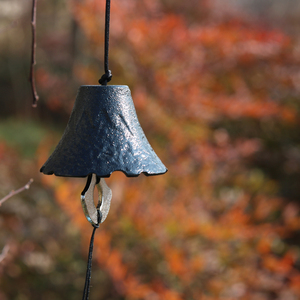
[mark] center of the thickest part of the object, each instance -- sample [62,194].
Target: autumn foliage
[219,102]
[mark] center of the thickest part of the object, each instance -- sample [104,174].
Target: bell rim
[104,175]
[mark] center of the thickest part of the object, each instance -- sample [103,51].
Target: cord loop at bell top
[105,78]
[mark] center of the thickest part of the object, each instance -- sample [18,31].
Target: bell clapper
[104,199]
[95,215]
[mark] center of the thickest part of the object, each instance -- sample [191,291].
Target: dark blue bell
[103,135]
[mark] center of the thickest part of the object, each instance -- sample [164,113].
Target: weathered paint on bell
[103,135]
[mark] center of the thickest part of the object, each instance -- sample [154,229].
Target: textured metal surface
[103,135]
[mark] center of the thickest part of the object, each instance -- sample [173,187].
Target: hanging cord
[86,290]
[107,76]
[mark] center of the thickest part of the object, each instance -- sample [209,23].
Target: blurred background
[216,85]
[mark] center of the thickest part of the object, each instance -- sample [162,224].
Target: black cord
[107,76]
[88,183]
[86,290]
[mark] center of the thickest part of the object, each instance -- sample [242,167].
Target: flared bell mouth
[103,175]
[103,135]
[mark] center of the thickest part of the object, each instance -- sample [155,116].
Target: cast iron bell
[103,135]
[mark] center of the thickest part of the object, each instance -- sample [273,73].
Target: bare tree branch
[4,253]
[33,61]
[13,193]
[6,248]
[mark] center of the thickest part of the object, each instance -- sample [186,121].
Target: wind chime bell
[103,135]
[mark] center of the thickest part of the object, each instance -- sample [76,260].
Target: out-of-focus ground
[216,85]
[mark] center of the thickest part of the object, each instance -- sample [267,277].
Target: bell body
[103,135]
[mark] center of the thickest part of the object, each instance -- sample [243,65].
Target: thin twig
[33,61]
[13,193]
[4,253]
